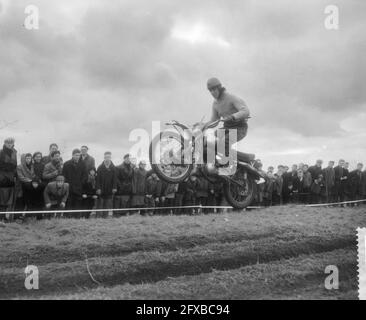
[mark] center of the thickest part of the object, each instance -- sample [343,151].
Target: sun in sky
[198,33]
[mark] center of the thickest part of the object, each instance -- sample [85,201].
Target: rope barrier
[117,209]
[334,203]
[162,208]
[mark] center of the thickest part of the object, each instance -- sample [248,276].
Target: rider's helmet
[213,83]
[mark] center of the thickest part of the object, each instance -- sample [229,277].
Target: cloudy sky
[96,70]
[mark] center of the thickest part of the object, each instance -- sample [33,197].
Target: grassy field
[276,253]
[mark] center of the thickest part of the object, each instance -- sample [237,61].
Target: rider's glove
[228,118]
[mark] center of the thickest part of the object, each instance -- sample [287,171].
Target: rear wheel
[167,157]
[240,194]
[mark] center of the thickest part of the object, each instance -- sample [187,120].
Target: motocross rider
[231,109]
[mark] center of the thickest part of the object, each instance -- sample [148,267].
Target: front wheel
[167,157]
[239,195]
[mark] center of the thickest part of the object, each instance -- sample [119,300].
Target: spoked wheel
[167,157]
[240,192]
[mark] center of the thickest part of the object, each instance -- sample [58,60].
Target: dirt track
[123,253]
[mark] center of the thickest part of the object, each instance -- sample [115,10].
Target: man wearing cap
[8,167]
[233,110]
[76,175]
[56,194]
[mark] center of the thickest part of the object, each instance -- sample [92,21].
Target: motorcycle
[179,150]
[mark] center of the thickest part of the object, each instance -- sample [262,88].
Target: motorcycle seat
[245,157]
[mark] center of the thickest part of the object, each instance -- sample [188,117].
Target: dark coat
[308,180]
[139,182]
[191,191]
[153,187]
[202,189]
[26,173]
[106,180]
[90,186]
[8,167]
[89,162]
[363,183]
[329,179]
[315,172]
[299,185]
[354,185]
[340,176]
[278,185]
[286,183]
[317,187]
[38,171]
[124,179]
[75,175]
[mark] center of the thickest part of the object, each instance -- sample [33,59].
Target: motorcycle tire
[233,201]
[157,169]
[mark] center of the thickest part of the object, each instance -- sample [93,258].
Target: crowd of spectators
[48,183]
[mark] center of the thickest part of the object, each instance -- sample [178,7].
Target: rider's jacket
[227,105]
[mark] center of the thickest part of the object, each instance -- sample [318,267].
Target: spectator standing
[38,171]
[88,160]
[316,169]
[30,183]
[153,190]
[329,182]
[317,189]
[190,196]
[202,192]
[340,181]
[75,174]
[308,181]
[179,197]
[8,167]
[269,188]
[139,186]
[106,184]
[363,184]
[354,186]
[298,190]
[90,192]
[167,198]
[278,186]
[124,172]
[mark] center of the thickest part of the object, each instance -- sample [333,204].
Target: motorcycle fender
[251,170]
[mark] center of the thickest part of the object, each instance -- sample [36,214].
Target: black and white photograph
[162,151]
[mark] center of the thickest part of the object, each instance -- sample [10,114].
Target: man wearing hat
[8,167]
[233,110]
